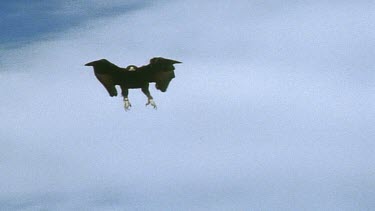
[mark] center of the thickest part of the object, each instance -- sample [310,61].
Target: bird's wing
[108,82]
[160,64]
[106,72]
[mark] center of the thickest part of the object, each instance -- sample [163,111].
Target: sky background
[273,107]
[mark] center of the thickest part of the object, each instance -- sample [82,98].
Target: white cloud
[257,116]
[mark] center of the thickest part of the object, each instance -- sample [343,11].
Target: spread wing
[160,64]
[105,72]
[108,83]
[161,71]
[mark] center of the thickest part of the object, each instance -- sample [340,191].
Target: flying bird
[159,70]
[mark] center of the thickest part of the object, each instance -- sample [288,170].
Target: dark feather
[159,70]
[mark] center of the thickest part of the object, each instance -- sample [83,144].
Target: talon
[152,103]
[127,105]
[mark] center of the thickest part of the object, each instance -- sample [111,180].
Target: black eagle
[159,70]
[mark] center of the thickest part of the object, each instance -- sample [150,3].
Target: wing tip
[93,63]
[161,59]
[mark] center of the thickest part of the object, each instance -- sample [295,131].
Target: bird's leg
[150,100]
[125,93]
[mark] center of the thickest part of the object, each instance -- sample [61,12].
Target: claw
[152,103]
[127,104]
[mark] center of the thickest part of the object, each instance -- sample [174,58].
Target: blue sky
[272,109]
[25,22]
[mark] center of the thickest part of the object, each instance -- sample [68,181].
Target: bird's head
[131,68]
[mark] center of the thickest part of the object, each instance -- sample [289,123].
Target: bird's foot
[152,103]
[127,104]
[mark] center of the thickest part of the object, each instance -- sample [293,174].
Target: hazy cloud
[272,109]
